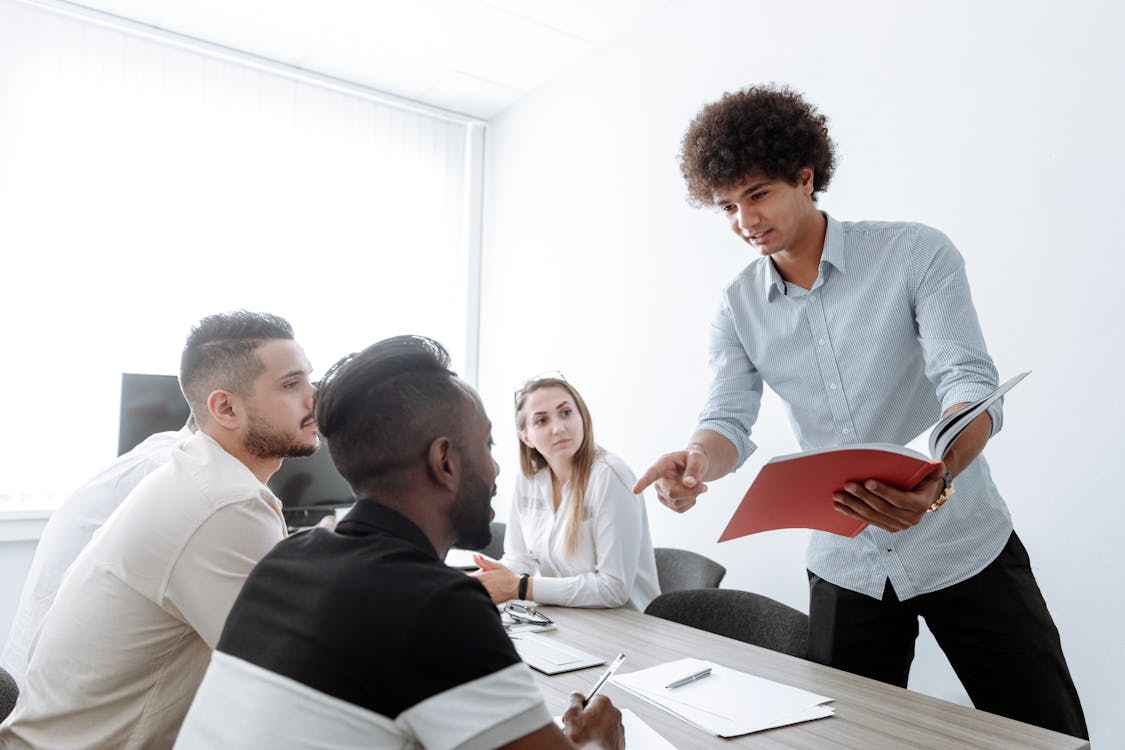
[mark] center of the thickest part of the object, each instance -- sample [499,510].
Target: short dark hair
[379,410]
[221,354]
[769,129]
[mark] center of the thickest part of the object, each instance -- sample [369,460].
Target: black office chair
[751,618]
[495,548]
[678,569]
[9,691]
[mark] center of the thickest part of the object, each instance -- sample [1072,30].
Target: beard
[265,441]
[471,513]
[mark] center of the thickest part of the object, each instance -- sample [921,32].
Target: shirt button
[832,386]
[821,342]
[812,298]
[886,551]
[845,430]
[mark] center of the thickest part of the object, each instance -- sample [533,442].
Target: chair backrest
[751,618]
[9,691]
[495,548]
[678,569]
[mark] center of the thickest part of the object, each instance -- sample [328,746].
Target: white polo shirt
[123,648]
[363,637]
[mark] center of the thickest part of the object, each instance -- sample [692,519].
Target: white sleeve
[212,567]
[517,557]
[617,520]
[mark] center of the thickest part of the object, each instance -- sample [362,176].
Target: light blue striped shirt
[886,339]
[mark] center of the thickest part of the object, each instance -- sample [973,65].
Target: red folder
[795,491]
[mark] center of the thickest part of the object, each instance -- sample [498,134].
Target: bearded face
[266,440]
[472,511]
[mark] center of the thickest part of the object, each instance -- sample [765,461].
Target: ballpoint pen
[690,678]
[605,676]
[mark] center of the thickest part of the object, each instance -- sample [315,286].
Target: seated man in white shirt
[69,530]
[121,651]
[363,637]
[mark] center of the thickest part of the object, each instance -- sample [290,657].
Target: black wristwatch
[946,493]
[523,587]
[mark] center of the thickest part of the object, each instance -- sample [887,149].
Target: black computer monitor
[149,403]
[309,487]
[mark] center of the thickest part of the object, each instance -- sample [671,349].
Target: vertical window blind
[145,184]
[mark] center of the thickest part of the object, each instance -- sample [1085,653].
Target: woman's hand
[500,582]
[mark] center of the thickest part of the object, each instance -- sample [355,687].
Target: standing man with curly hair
[867,331]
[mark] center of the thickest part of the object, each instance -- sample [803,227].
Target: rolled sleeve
[956,359]
[736,386]
[470,691]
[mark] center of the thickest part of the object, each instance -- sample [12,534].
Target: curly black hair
[768,129]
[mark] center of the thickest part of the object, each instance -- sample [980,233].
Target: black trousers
[994,628]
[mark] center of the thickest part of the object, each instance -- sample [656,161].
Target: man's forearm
[721,453]
[969,443]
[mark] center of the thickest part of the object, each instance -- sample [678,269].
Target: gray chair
[679,569]
[751,618]
[495,548]
[9,691]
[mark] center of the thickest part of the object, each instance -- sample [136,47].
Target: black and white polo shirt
[362,637]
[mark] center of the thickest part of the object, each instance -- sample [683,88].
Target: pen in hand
[689,679]
[605,676]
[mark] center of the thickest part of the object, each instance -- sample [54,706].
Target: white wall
[997,122]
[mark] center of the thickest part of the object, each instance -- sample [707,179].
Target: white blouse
[613,564]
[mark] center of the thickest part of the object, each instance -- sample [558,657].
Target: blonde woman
[577,536]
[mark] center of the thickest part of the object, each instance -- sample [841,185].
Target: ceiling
[468,56]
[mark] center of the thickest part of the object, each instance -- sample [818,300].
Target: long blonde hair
[531,460]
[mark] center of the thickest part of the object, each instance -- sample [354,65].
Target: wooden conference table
[869,715]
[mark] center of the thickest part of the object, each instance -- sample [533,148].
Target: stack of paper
[550,655]
[727,703]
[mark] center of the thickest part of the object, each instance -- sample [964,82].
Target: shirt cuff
[996,411]
[966,393]
[744,445]
[548,590]
[975,392]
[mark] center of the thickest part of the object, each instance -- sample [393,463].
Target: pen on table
[690,678]
[605,676]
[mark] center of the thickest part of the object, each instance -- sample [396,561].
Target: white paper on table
[638,735]
[728,703]
[461,558]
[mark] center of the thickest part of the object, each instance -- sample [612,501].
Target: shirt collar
[834,245]
[369,515]
[832,254]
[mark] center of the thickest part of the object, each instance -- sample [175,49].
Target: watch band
[523,587]
[946,493]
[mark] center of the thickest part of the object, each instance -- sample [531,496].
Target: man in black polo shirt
[362,636]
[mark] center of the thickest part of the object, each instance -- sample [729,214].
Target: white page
[638,734]
[550,655]
[722,727]
[460,558]
[728,702]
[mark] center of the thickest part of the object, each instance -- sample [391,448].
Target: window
[146,183]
